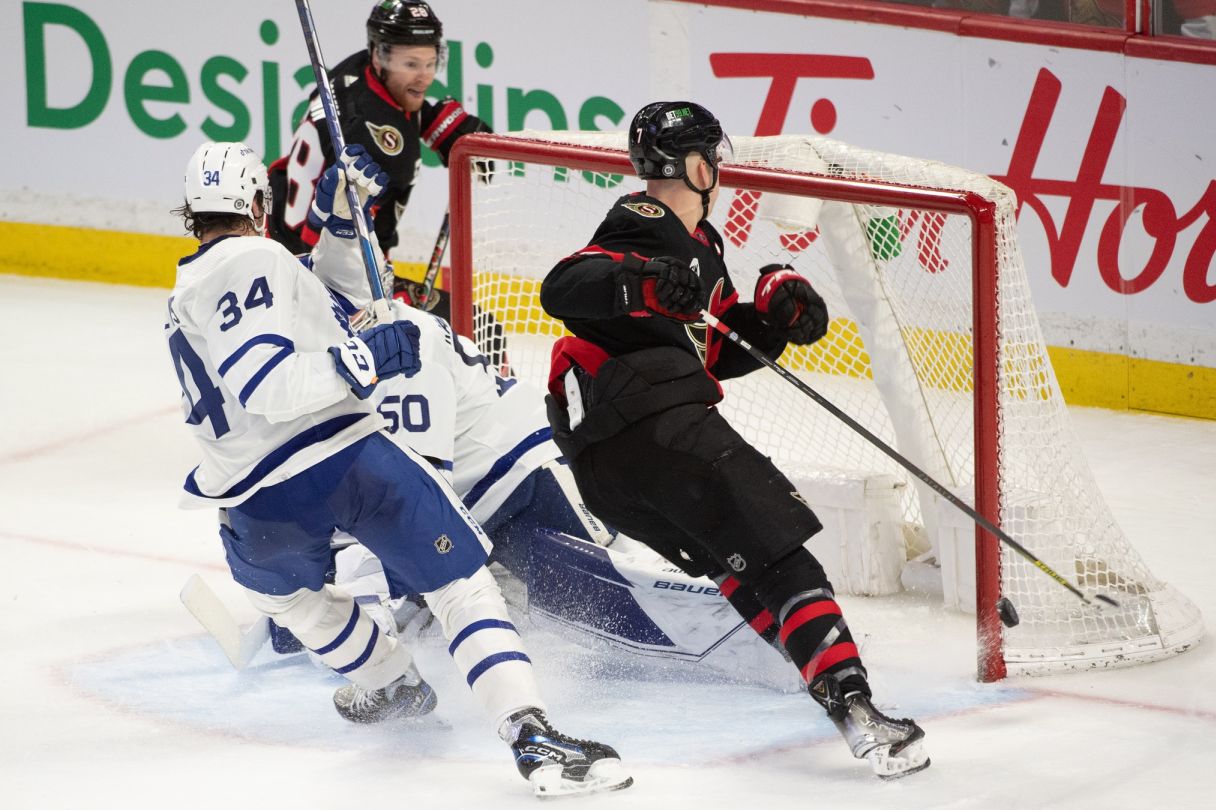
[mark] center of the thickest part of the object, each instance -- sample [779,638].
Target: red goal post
[977,241]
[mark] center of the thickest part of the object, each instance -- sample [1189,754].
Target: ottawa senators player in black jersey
[631,401]
[380,96]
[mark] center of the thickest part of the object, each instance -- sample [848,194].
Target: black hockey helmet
[403,22]
[664,132]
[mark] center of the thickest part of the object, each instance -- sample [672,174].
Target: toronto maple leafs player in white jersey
[275,389]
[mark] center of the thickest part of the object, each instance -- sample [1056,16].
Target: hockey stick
[380,306]
[988,525]
[238,645]
[425,295]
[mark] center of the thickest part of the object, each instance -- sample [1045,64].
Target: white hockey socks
[486,646]
[331,624]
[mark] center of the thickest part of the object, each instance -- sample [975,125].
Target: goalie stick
[894,454]
[238,645]
[380,307]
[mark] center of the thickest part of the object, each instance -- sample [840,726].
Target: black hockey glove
[446,122]
[663,285]
[789,304]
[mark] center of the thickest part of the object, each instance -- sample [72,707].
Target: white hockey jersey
[249,332]
[488,432]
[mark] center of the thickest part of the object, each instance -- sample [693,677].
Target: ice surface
[111,697]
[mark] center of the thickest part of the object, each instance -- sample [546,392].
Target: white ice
[111,697]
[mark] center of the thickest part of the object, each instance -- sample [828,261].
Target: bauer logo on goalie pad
[736,562]
[387,138]
[444,544]
[648,210]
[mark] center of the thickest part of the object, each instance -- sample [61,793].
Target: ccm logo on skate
[684,586]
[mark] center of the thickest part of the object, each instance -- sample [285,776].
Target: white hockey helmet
[224,178]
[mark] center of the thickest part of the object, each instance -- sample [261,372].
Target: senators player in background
[380,95]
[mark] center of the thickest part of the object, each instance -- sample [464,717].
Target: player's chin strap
[704,192]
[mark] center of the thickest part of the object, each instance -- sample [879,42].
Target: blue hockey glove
[330,208]
[379,353]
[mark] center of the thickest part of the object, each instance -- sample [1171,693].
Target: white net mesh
[898,358]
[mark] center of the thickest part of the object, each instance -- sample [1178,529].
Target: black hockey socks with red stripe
[745,602]
[812,629]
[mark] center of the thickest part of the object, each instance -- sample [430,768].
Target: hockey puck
[1007,612]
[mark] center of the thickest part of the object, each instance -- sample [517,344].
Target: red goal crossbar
[980,212]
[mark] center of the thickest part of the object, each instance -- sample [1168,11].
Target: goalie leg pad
[330,623]
[485,645]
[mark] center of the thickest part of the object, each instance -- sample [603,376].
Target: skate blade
[604,775]
[907,760]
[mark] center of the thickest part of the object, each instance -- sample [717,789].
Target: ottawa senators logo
[648,210]
[387,138]
[698,332]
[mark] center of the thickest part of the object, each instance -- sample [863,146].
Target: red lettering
[1160,219]
[783,70]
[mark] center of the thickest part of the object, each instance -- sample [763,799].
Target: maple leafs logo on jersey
[648,210]
[387,138]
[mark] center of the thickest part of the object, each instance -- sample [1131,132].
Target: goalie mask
[403,22]
[226,178]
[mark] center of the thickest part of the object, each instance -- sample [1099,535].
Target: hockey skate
[408,696]
[558,765]
[894,748]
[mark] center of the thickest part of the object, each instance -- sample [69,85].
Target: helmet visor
[725,151]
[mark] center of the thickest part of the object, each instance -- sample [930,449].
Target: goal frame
[980,212]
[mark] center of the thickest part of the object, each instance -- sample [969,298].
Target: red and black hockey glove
[447,121]
[663,285]
[789,304]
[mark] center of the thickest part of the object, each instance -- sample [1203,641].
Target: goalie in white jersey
[275,388]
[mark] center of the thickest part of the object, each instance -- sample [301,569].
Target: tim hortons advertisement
[1112,158]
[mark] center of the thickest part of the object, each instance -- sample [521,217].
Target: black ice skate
[894,748]
[408,696]
[558,765]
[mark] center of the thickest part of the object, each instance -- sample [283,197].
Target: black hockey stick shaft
[895,455]
[321,75]
[423,294]
[441,247]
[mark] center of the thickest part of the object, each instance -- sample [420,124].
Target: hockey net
[934,346]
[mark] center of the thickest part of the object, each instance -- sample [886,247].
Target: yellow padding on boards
[1086,378]
[53,251]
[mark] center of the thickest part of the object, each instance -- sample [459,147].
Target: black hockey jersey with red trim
[583,290]
[370,117]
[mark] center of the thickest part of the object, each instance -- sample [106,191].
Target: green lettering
[306,82]
[38,111]
[592,109]
[271,112]
[137,93]
[225,100]
[484,55]
[520,104]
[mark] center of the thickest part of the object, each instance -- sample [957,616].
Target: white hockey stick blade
[603,776]
[240,646]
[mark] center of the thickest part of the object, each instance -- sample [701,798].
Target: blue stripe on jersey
[203,248]
[362,659]
[491,660]
[260,340]
[257,378]
[505,463]
[480,624]
[344,635]
[305,438]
